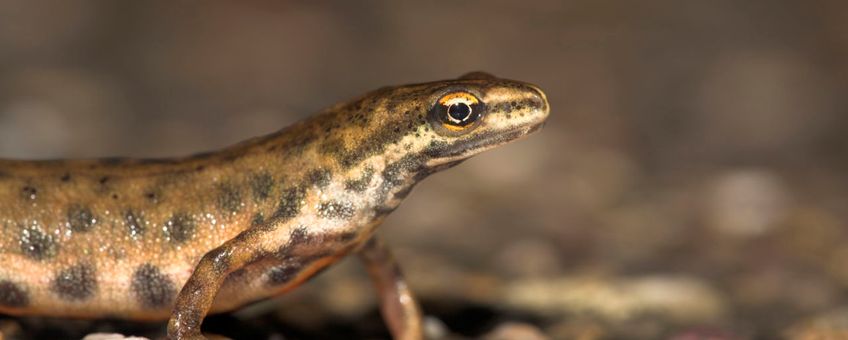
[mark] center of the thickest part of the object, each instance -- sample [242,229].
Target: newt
[178,238]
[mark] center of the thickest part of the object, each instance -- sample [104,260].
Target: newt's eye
[457,110]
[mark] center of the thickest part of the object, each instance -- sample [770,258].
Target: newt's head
[431,126]
[478,112]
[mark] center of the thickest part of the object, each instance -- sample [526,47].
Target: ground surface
[690,183]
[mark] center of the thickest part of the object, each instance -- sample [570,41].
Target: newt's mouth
[461,149]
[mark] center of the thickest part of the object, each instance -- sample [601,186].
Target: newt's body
[145,239]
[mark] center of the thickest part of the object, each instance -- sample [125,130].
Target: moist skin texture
[121,237]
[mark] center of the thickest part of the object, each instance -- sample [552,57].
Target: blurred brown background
[690,182]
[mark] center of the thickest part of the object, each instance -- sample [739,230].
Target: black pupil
[459,111]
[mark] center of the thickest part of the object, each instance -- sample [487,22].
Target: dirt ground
[690,184]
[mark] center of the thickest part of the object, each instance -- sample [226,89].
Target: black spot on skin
[152,196]
[135,224]
[257,219]
[37,245]
[298,236]
[319,177]
[76,283]
[229,198]
[336,210]
[384,210]
[299,143]
[395,174]
[403,192]
[180,228]
[202,155]
[29,192]
[262,185]
[374,143]
[360,184]
[347,236]
[300,241]
[103,180]
[220,258]
[80,218]
[333,146]
[65,178]
[290,203]
[283,273]
[152,288]
[12,295]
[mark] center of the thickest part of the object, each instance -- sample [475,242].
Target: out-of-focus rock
[111,336]
[435,328]
[704,334]
[680,299]
[59,112]
[10,329]
[578,329]
[515,330]
[747,203]
[758,102]
[830,325]
[530,258]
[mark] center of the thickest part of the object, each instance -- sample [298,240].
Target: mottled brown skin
[145,239]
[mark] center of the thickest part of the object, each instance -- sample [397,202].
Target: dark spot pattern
[76,283]
[290,203]
[299,235]
[135,224]
[303,247]
[347,236]
[403,192]
[220,258]
[258,218]
[336,210]
[283,273]
[180,228]
[262,185]
[80,218]
[229,198]
[36,244]
[387,134]
[153,197]
[29,192]
[360,184]
[12,295]
[65,178]
[152,288]
[395,174]
[319,177]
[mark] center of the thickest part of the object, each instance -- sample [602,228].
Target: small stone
[111,336]
[435,328]
[748,203]
[515,330]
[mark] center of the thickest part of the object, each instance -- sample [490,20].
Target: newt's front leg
[198,293]
[397,304]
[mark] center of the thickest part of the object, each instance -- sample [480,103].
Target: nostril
[540,98]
